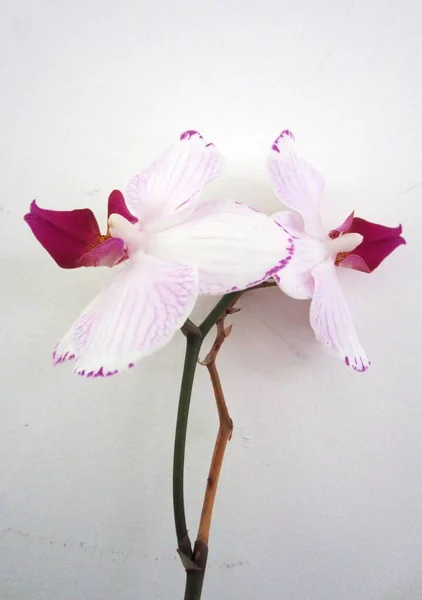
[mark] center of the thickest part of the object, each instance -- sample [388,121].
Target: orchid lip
[378,242]
[73,238]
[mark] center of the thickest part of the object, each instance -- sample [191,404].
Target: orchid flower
[311,273]
[171,249]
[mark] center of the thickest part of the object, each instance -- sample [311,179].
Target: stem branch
[224,431]
[195,578]
[195,560]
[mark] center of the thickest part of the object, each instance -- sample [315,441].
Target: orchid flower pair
[170,249]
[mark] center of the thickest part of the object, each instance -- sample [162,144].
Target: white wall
[321,492]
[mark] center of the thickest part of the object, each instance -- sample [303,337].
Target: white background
[321,491]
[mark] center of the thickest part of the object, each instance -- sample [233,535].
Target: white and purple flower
[171,250]
[311,273]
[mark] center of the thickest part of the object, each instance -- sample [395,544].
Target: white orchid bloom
[176,250]
[312,272]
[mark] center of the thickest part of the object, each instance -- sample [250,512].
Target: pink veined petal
[171,186]
[135,315]
[331,319]
[296,279]
[233,246]
[297,184]
[117,205]
[290,221]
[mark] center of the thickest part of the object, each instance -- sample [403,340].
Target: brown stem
[195,576]
[224,431]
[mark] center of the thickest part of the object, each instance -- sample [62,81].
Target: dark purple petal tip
[283,134]
[58,360]
[186,135]
[357,365]
[93,374]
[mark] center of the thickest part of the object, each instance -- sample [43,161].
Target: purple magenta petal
[351,261]
[73,238]
[372,232]
[80,222]
[373,253]
[378,242]
[107,254]
[117,205]
[66,235]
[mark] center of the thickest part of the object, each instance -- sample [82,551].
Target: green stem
[193,347]
[194,583]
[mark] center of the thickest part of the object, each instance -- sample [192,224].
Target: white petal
[135,315]
[234,246]
[298,185]
[331,319]
[296,279]
[291,221]
[173,183]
